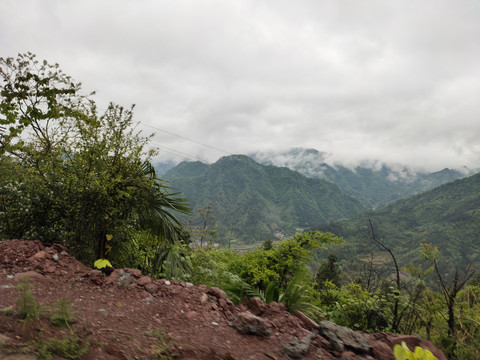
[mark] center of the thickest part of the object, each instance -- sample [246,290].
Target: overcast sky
[390,80]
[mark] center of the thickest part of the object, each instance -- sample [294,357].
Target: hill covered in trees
[447,217]
[252,201]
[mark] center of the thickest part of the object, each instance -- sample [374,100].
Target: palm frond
[172,260]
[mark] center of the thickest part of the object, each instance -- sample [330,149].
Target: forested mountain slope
[373,184]
[447,216]
[252,201]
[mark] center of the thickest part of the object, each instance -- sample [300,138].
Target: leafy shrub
[28,307]
[356,308]
[61,315]
[71,347]
[297,297]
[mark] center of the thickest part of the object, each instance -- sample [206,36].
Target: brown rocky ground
[130,316]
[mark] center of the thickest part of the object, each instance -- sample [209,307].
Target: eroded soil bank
[130,316]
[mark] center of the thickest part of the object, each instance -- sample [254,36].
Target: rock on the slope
[298,347]
[247,323]
[341,337]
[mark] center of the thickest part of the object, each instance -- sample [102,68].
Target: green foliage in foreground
[28,307]
[69,347]
[354,307]
[161,351]
[61,314]
[101,264]
[254,272]
[282,263]
[402,352]
[72,175]
[156,256]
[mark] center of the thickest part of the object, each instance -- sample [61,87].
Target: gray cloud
[395,81]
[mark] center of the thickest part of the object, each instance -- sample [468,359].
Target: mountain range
[375,184]
[253,202]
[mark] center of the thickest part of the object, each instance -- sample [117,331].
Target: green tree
[355,307]
[328,270]
[280,264]
[83,175]
[449,292]
[206,233]
[267,244]
[36,96]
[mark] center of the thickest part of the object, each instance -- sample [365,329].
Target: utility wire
[185,138]
[175,152]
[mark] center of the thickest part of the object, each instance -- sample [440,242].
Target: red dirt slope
[130,316]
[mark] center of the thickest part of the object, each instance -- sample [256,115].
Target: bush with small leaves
[61,315]
[28,307]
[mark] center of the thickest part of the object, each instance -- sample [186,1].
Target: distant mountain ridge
[374,184]
[256,201]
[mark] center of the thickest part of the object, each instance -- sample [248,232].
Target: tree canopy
[71,175]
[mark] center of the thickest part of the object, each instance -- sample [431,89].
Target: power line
[185,138]
[175,152]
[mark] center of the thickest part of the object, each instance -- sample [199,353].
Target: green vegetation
[28,307]
[101,264]
[69,347]
[447,217]
[61,315]
[402,352]
[280,273]
[328,270]
[161,351]
[155,256]
[71,175]
[283,273]
[7,311]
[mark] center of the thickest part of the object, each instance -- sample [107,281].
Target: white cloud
[395,81]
